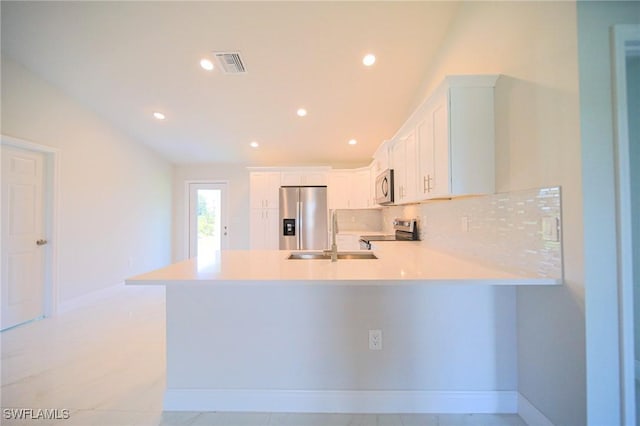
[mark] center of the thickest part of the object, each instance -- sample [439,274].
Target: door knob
[41,242]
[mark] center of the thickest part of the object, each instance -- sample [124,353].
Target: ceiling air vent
[230,62]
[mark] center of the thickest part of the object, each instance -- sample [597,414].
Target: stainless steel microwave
[384,187]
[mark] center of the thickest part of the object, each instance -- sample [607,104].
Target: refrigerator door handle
[299,225]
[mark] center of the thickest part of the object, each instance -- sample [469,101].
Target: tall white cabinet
[264,198]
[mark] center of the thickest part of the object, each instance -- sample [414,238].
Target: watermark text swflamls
[35,413]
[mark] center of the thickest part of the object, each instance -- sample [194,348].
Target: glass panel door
[208,230]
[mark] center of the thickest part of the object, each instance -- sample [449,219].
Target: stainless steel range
[405,230]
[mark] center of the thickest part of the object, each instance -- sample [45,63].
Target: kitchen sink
[327,255]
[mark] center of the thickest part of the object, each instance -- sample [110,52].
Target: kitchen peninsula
[256,331]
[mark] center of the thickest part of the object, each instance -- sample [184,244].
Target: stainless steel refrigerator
[303,218]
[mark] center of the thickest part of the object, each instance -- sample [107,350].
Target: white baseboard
[530,414]
[341,401]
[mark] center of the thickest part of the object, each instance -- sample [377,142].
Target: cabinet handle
[426,183]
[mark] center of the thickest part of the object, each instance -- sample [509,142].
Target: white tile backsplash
[368,220]
[504,230]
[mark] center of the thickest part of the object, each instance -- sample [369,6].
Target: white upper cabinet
[309,177]
[405,163]
[361,197]
[447,147]
[350,189]
[339,189]
[457,139]
[264,189]
[380,161]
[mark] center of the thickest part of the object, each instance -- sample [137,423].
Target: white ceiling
[125,60]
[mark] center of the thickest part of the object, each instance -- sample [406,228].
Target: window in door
[208,229]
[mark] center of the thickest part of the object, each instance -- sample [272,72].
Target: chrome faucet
[334,231]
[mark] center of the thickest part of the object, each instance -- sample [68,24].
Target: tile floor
[104,362]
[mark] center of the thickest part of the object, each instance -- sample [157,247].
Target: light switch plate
[550,228]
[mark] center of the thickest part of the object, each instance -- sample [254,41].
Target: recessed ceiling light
[254,144]
[159,115]
[301,112]
[369,59]
[206,64]
[353,142]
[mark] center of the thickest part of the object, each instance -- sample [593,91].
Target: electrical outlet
[375,340]
[550,229]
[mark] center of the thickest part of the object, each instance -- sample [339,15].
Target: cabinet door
[433,148]
[263,189]
[397,160]
[405,163]
[339,190]
[424,133]
[291,179]
[256,226]
[441,160]
[272,190]
[271,224]
[315,179]
[361,190]
[472,140]
[304,178]
[411,167]
[264,229]
[257,186]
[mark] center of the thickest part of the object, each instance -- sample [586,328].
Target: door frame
[187,218]
[621,34]
[51,213]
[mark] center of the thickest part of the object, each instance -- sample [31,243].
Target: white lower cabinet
[264,229]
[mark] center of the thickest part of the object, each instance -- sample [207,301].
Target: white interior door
[23,237]
[208,228]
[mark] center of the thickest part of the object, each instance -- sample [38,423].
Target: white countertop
[398,263]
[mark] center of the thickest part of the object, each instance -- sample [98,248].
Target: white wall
[237,177]
[534,45]
[114,193]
